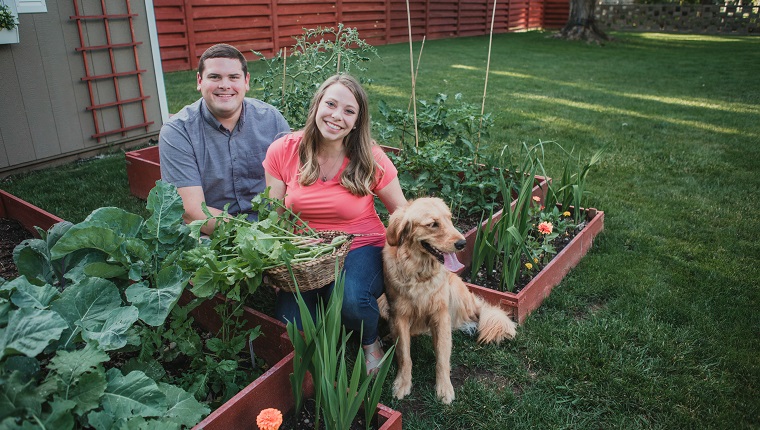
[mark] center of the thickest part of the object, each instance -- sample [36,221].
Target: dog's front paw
[445,392]
[401,387]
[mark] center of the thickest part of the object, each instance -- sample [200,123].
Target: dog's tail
[495,325]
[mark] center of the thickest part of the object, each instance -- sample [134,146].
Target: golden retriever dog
[424,295]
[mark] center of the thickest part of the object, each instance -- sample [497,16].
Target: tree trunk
[581,25]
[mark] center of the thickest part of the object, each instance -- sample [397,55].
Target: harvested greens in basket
[234,259]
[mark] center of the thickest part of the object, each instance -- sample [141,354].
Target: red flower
[545,227]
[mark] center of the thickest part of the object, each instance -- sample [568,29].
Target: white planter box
[10,36]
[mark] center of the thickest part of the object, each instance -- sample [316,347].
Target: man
[212,150]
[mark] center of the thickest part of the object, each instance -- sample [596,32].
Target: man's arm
[192,197]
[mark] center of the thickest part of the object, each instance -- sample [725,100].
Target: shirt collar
[211,119]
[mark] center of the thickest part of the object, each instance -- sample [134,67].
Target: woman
[329,172]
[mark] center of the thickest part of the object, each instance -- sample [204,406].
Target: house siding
[44,115]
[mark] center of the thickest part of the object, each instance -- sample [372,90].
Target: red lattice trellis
[115,74]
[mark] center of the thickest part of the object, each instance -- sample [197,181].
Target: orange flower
[536,199]
[545,227]
[269,419]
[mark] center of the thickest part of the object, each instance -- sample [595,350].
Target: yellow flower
[269,419]
[566,214]
[535,260]
[528,266]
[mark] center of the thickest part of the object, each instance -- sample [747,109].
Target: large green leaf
[155,304]
[29,331]
[118,220]
[32,259]
[68,366]
[93,306]
[88,391]
[165,206]
[60,417]
[182,408]
[204,283]
[83,237]
[112,333]
[77,263]
[17,395]
[91,299]
[133,394]
[32,296]
[101,269]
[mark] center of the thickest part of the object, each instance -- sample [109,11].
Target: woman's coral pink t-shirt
[328,205]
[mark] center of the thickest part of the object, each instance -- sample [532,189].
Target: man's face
[223,86]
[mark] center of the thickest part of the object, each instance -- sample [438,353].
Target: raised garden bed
[271,389]
[18,221]
[143,170]
[27,214]
[521,304]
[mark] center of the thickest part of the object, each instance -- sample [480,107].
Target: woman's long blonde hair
[359,175]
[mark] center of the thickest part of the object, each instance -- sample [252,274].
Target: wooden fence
[187,27]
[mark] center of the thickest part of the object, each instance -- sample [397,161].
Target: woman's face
[337,113]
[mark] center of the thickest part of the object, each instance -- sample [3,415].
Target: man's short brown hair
[222,50]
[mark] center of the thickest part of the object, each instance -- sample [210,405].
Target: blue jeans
[363,269]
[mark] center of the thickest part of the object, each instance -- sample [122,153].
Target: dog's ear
[398,228]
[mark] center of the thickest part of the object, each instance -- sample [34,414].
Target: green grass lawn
[659,325]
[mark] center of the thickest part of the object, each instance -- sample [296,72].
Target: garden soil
[11,234]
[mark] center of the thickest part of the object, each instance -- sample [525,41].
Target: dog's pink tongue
[451,262]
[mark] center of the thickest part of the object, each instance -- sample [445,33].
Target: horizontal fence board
[188,27]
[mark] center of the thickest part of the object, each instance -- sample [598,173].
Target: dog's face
[425,223]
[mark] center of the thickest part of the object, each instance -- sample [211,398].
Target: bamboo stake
[338,71]
[485,87]
[416,73]
[411,68]
[284,69]
[417,68]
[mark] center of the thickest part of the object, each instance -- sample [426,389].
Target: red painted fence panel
[187,27]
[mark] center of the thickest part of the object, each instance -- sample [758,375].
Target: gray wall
[43,99]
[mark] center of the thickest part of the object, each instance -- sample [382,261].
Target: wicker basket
[311,274]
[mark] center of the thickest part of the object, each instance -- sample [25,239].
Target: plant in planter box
[570,189]
[317,54]
[436,170]
[518,243]
[461,124]
[321,350]
[120,282]
[87,293]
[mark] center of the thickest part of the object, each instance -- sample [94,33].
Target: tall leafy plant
[570,189]
[291,78]
[505,238]
[339,393]
[437,120]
